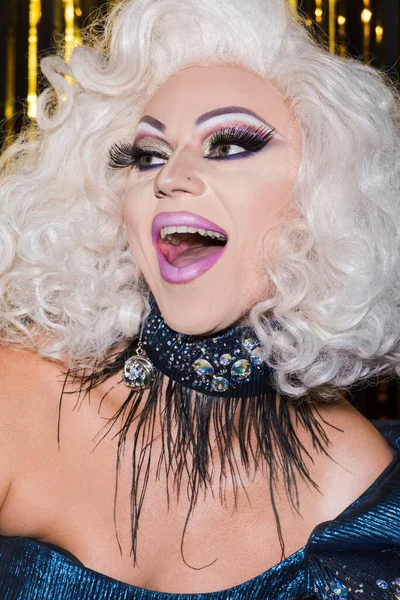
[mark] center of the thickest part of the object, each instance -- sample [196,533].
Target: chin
[195,315]
[190,327]
[192,324]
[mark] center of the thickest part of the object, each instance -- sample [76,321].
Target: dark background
[375,41]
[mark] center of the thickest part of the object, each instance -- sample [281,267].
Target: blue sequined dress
[355,556]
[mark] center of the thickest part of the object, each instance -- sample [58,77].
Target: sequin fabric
[227,365]
[355,556]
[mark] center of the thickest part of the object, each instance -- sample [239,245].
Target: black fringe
[197,430]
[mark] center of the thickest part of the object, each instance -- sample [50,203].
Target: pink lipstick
[185,255]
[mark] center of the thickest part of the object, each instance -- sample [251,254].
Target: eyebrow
[225,110]
[153,122]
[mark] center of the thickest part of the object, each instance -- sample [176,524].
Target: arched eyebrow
[225,110]
[153,123]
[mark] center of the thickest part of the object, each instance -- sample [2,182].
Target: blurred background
[31,29]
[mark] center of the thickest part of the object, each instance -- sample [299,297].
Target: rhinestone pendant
[138,373]
[225,359]
[249,344]
[241,369]
[203,367]
[219,384]
[256,357]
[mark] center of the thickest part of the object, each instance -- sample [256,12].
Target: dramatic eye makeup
[236,141]
[227,133]
[146,154]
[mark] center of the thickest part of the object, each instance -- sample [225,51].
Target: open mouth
[187,245]
[182,246]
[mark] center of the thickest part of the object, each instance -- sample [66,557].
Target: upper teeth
[183,229]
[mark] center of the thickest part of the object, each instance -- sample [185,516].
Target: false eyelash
[127,154]
[249,138]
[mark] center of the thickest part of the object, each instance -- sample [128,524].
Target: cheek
[127,215]
[263,209]
[137,211]
[129,209]
[268,206]
[134,216]
[260,189]
[271,200]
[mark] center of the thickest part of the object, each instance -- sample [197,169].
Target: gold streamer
[69,15]
[10,76]
[34,18]
[332,27]
[366,19]
[72,33]
[319,13]
[342,35]
[379,34]
[57,19]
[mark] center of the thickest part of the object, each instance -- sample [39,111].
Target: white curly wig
[69,285]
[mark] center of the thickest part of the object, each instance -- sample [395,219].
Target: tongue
[193,255]
[186,254]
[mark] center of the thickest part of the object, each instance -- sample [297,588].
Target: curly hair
[69,286]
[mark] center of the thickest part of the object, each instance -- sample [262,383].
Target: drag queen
[199,255]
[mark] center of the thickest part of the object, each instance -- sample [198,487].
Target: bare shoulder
[355,442]
[358,454]
[27,379]
[29,385]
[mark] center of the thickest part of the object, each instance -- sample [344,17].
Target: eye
[224,150]
[145,161]
[126,154]
[237,142]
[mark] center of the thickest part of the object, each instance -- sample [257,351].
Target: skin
[65,495]
[249,198]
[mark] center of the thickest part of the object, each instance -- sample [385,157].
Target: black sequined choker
[228,364]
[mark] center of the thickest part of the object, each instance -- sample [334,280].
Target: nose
[178,177]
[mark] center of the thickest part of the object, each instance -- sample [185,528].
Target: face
[212,165]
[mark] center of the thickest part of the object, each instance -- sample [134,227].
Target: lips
[185,252]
